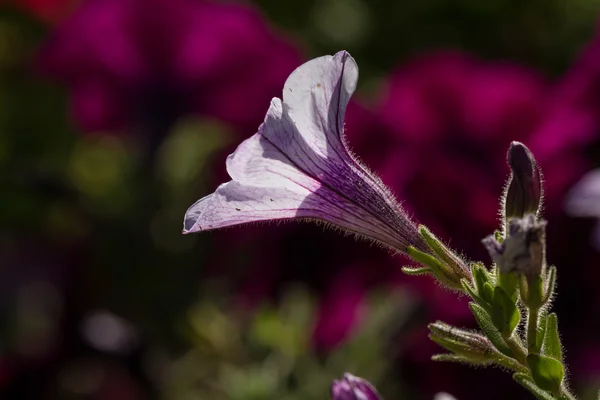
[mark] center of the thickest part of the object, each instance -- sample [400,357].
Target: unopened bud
[523,194]
[351,387]
[523,250]
[470,346]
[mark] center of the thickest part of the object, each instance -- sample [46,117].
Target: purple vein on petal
[298,166]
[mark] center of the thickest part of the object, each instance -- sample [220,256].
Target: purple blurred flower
[298,166]
[351,387]
[144,63]
[573,116]
[449,119]
[340,307]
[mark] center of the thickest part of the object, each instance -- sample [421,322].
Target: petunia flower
[298,166]
[353,388]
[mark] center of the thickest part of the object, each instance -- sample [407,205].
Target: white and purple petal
[298,166]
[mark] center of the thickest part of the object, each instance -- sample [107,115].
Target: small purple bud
[351,387]
[523,193]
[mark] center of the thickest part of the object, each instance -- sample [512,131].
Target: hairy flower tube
[298,166]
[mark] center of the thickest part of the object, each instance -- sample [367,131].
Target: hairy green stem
[532,326]
[565,394]
[512,364]
[516,346]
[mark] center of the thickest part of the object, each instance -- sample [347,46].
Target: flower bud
[523,193]
[351,387]
[470,346]
[523,250]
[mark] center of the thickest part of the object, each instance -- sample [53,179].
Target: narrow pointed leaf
[415,271]
[474,295]
[528,384]
[457,359]
[505,314]
[552,346]
[542,326]
[440,270]
[481,278]
[510,283]
[487,326]
[487,292]
[549,284]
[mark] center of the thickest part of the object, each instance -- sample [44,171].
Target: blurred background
[116,115]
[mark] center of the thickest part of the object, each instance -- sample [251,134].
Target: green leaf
[547,372]
[510,283]
[480,275]
[505,314]
[541,332]
[534,295]
[552,347]
[471,291]
[487,292]
[491,332]
[549,284]
[528,384]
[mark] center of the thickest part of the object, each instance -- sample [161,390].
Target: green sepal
[510,283]
[487,326]
[487,292]
[457,359]
[552,347]
[480,275]
[471,291]
[438,269]
[444,254]
[483,282]
[526,381]
[535,292]
[549,284]
[541,331]
[416,271]
[547,372]
[505,314]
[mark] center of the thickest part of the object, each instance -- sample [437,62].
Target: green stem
[565,394]
[512,364]
[532,326]
[516,346]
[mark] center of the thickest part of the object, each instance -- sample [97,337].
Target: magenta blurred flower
[298,166]
[351,387]
[140,63]
[573,116]
[449,118]
[340,307]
